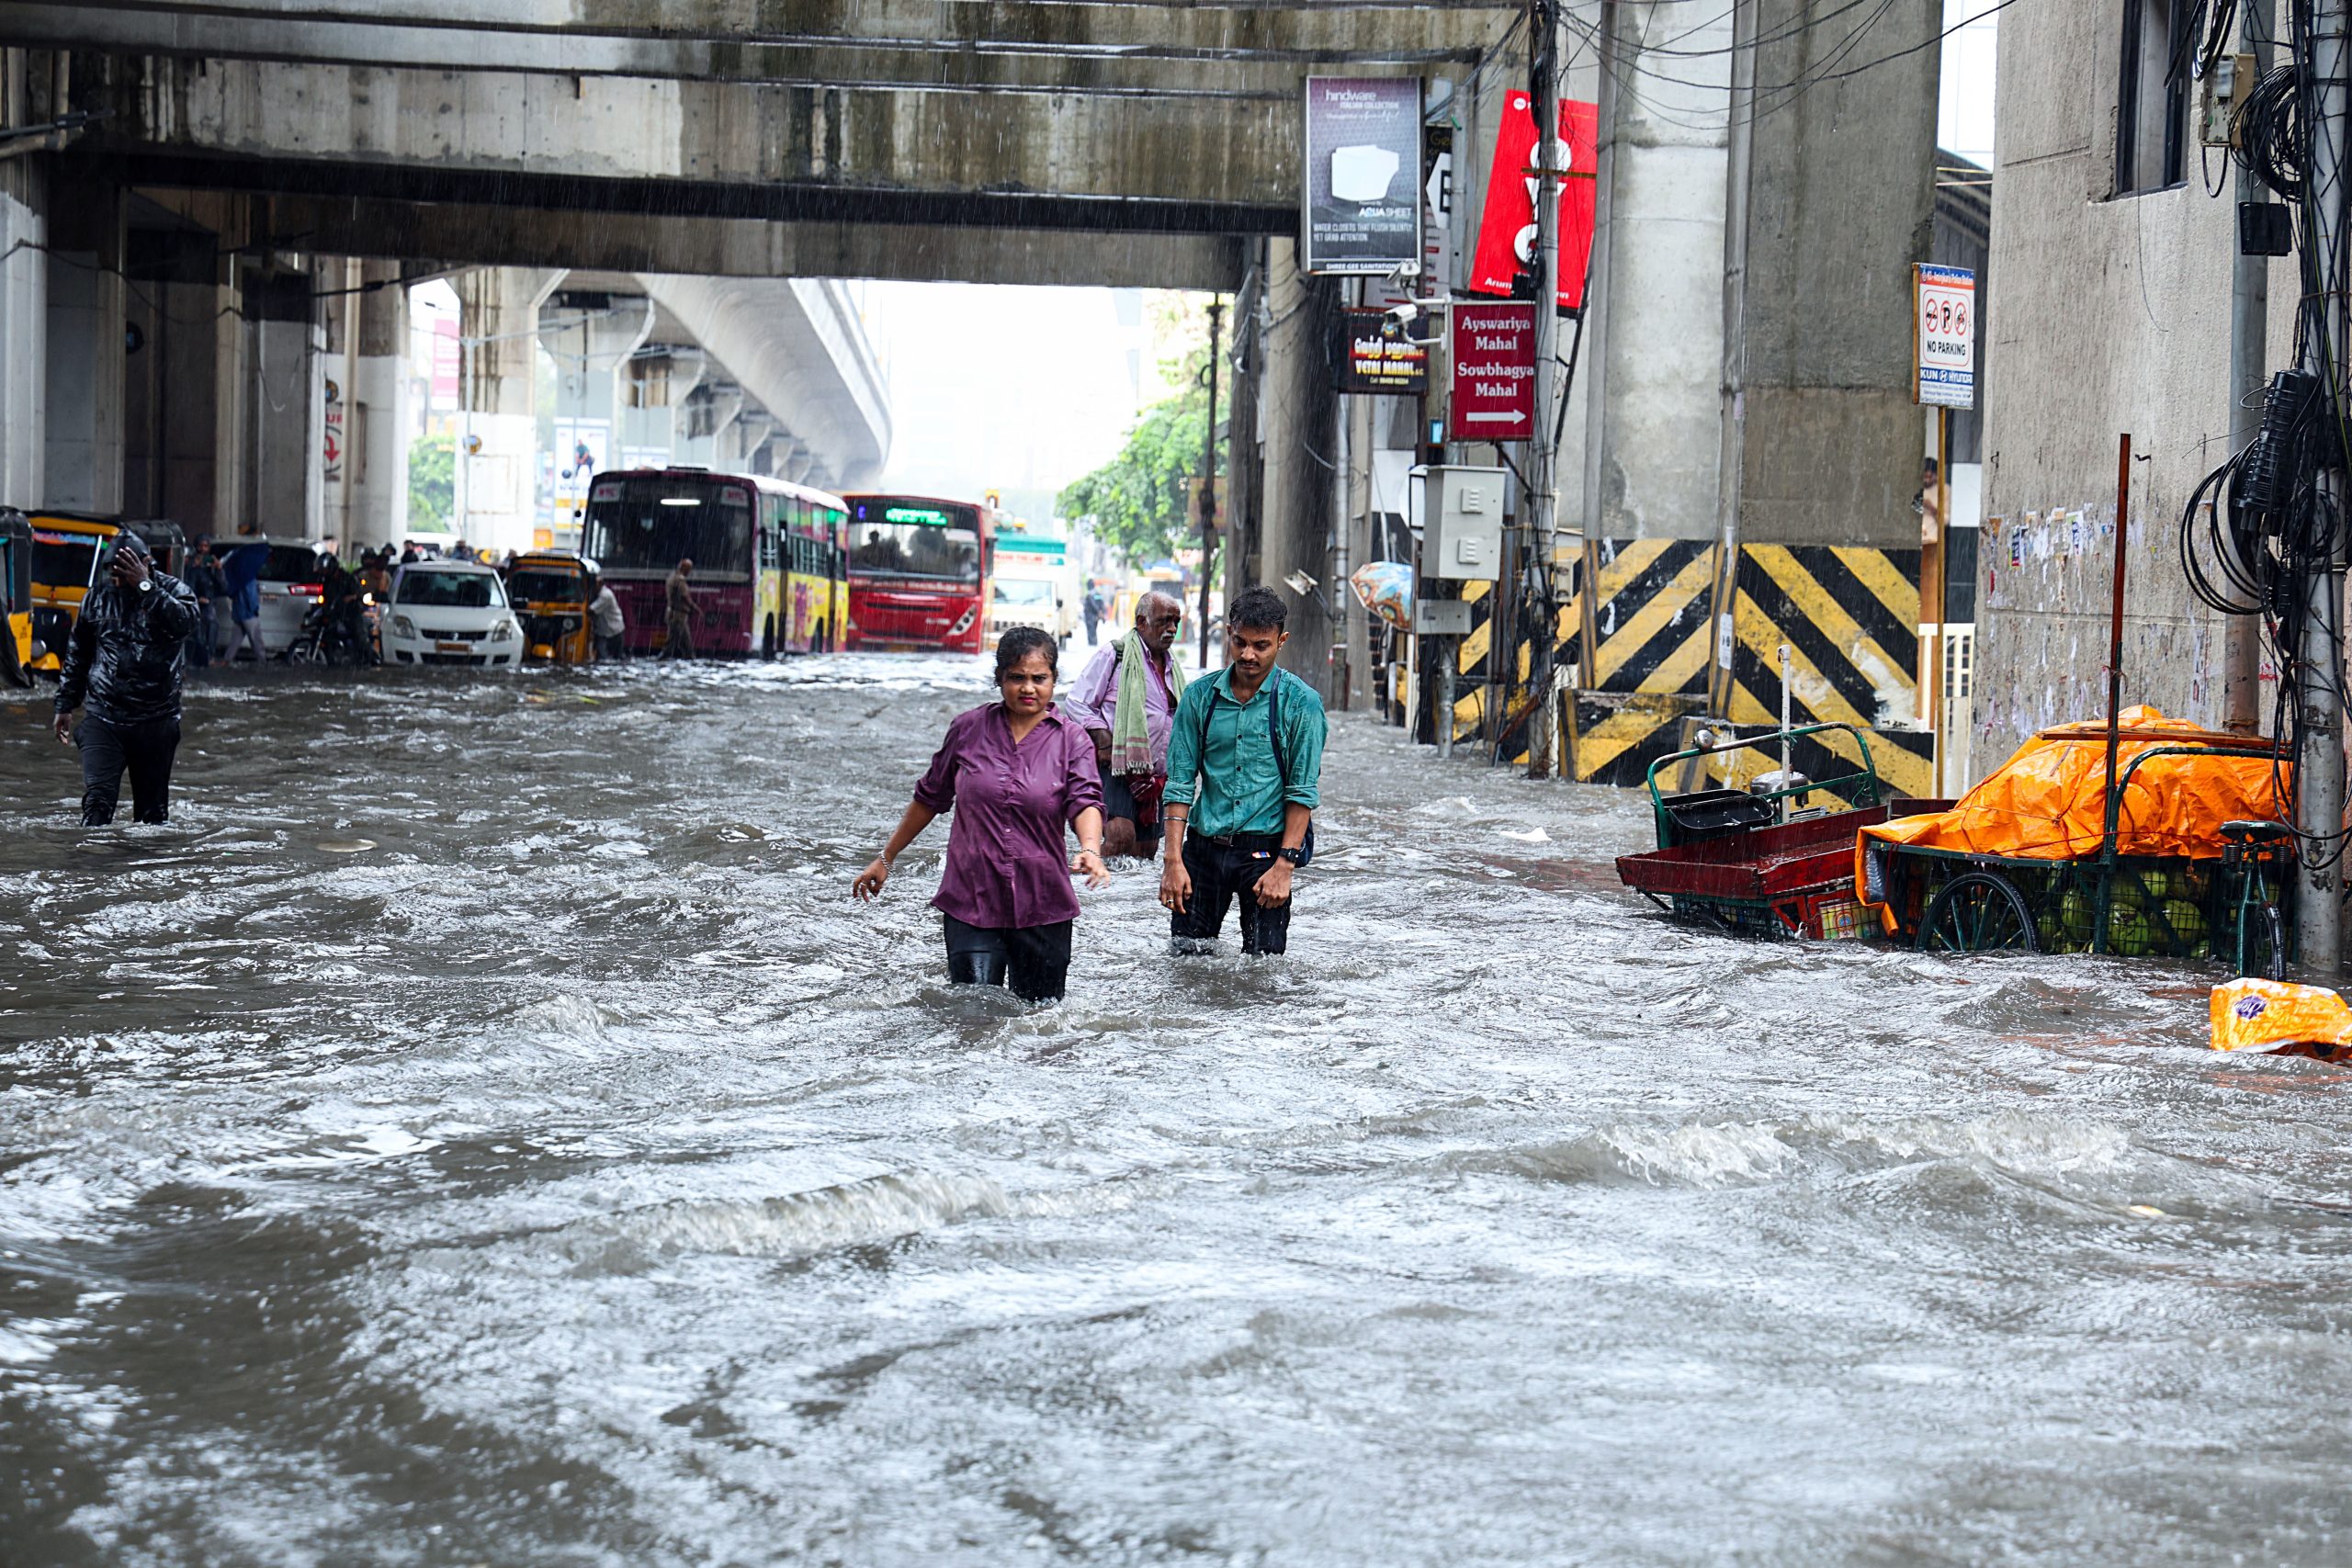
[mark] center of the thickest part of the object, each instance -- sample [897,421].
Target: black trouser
[199,641]
[614,647]
[108,750]
[1222,871]
[1036,959]
[1119,800]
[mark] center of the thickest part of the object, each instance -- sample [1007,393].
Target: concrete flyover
[1123,144]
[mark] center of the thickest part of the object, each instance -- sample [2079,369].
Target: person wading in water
[1014,772]
[1245,756]
[122,669]
[1125,697]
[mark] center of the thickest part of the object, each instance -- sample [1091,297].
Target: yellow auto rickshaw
[66,548]
[17,596]
[548,589]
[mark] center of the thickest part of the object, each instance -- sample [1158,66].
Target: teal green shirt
[1238,786]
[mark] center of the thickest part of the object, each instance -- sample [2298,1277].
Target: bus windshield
[900,538]
[1019,591]
[651,522]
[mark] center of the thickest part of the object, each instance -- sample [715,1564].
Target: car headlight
[403,626]
[502,632]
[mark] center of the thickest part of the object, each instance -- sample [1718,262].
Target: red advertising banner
[1494,372]
[1507,225]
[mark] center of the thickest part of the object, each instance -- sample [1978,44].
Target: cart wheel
[1978,912]
[2262,942]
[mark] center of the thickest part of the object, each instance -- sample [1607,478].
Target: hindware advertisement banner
[1507,223]
[1361,210]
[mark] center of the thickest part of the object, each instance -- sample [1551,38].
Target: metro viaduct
[1155,143]
[281,175]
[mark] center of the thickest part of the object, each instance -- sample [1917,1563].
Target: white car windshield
[452,589]
[1013,591]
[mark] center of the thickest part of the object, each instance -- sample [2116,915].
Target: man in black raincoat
[122,668]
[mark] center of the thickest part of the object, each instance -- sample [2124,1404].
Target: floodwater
[480,1129]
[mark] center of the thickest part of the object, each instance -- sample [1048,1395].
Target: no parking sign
[1943,332]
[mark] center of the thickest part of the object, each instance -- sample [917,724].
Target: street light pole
[1208,481]
[1542,489]
[2319,664]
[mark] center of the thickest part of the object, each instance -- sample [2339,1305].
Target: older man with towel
[1124,698]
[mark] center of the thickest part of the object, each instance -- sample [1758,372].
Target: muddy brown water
[480,1129]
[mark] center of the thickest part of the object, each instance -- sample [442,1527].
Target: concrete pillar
[82,384]
[708,414]
[1298,399]
[1655,353]
[497,424]
[24,326]
[591,337]
[283,492]
[656,390]
[377,432]
[1832,199]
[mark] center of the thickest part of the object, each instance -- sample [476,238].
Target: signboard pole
[1543,490]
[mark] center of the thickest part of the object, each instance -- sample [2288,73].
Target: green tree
[432,482]
[1137,499]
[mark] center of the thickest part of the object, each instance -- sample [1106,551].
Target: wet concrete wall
[2109,314]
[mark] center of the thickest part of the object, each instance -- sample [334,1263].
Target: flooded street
[482,1129]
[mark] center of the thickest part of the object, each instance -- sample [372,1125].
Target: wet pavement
[482,1129]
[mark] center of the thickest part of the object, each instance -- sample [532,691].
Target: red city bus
[753,540]
[918,572]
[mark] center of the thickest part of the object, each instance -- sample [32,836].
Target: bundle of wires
[2262,528]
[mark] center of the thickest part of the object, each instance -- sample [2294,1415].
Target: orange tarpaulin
[2048,802]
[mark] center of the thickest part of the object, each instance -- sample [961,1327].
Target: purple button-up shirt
[1093,700]
[1006,861]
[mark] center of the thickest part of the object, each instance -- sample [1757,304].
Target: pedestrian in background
[1091,608]
[211,586]
[1124,698]
[1015,771]
[242,569]
[122,669]
[678,602]
[1245,760]
[605,623]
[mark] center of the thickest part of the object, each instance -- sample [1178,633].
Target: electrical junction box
[2220,96]
[1461,528]
[1441,617]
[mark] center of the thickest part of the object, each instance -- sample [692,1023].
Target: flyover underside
[505,234]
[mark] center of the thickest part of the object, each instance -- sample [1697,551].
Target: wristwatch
[1295,857]
[146,585]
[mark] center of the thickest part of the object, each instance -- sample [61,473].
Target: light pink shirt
[1093,700]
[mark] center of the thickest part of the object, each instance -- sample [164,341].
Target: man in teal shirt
[1245,753]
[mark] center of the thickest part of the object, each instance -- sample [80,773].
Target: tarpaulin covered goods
[2048,802]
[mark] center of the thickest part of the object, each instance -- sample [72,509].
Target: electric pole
[1208,482]
[1543,452]
[2319,662]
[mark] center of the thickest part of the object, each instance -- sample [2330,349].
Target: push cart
[1727,859]
[2224,896]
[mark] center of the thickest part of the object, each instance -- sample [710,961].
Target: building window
[2151,112]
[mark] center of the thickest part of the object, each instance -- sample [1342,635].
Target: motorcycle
[333,635]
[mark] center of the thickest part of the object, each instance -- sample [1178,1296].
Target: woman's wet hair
[1019,643]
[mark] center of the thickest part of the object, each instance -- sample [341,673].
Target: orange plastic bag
[2274,1015]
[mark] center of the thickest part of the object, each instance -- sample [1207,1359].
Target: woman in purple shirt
[1013,772]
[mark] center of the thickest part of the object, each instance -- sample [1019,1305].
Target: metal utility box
[1441,617]
[1461,533]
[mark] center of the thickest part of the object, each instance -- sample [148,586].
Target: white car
[289,576]
[448,611]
